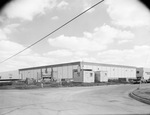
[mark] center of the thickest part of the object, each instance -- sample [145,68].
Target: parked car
[135,81]
[143,81]
[148,81]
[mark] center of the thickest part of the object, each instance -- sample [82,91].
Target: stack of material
[30,81]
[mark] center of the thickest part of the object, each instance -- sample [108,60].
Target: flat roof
[76,63]
[112,65]
[53,65]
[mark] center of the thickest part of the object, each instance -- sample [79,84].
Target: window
[91,74]
[75,70]
[137,72]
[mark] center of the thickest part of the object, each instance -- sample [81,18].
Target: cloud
[63,55]
[10,28]
[62,5]
[86,5]
[8,48]
[55,18]
[138,56]
[123,41]
[27,58]
[128,13]
[4,31]
[75,44]
[3,36]
[59,53]
[96,41]
[66,55]
[27,9]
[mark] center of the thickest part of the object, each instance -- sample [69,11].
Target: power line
[53,31]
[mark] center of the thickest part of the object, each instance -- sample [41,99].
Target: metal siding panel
[49,70]
[112,72]
[95,68]
[125,69]
[26,74]
[100,68]
[108,71]
[55,69]
[134,73]
[131,74]
[117,72]
[35,74]
[55,73]
[60,72]
[32,74]
[29,74]
[70,72]
[85,67]
[43,70]
[88,67]
[104,68]
[75,66]
[65,72]
[123,72]
[39,73]
[128,73]
[87,76]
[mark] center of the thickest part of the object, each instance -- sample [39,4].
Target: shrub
[5,83]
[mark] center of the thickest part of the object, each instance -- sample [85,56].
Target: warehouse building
[9,75]
[143,73]
[79,72]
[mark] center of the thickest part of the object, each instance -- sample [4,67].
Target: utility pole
[139,87]
[82,68]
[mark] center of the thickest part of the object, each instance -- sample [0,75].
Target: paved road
[72,101]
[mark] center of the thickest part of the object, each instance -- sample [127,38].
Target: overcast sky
[114,32]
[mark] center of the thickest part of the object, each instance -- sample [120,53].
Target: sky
[114,32]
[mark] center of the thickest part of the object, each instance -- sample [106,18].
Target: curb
[138,98]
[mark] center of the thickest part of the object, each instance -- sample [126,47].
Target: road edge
[138,98]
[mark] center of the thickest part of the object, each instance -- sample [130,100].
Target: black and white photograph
[74,57]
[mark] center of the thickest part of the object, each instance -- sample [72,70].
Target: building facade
[79,72]
[143,73]
[9,75]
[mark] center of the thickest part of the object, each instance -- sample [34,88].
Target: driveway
[112,99]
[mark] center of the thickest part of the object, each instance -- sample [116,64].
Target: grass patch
[144,93]
[35,85]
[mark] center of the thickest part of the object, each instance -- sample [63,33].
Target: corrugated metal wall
[9,75]
[57,72]
[114,72]
[66,71]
